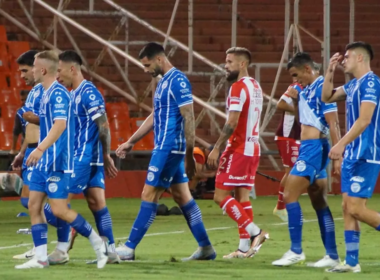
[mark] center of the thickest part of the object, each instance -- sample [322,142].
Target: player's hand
[123,149]
[293,93]
[34,157]
[336,152]
[337,166]
[17,161]
[334,61]
[190,165]
[212,160]
[109,166]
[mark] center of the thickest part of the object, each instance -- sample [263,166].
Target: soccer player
[53,164]
[202,171]
[19,122]
[317,121]
[360,145]
[91,150]
[239,161]
[173,123]
[30,114]
[287,140]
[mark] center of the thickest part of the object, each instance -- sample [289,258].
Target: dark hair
[27,58]
[367,47]
[317,66]
[24,92]
[241,51]
[150,50]
[70,56]
[300,59]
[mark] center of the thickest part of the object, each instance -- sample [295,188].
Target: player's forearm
[334,132]
[328,86]
[282,105]
[55,132]
[104,133]
[227,131]
[31,118]
[190,132]
[24,146]
[143,130]
[359,126]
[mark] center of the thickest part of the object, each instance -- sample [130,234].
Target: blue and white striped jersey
[172,92]
[56,105]
[88,105]
[367,145]
[312,109]
[32,103]
[23,122]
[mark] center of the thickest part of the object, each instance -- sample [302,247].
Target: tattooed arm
[105,139]
[329,94]
[228,130]
[187,113]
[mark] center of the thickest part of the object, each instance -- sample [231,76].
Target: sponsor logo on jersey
[357,179]
[237,177]
[54,179]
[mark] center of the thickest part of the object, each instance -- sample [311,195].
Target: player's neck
[48,81]
[361,71]
[77,81]
[167,66]
[242,74]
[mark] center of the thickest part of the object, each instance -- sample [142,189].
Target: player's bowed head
[303,68]
[69,68]
[153,57]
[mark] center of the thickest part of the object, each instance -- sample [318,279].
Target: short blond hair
[51,57]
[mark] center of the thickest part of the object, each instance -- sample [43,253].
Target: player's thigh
[26,175]
[318,193]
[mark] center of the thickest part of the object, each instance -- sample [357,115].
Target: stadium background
[109,39]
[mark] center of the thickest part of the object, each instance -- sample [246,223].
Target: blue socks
[193,217]
[142,223]
[352,238]
[50,218]
[39,234]
[295,226]
[81,226]
[24,202]
[104,224]
[327,228]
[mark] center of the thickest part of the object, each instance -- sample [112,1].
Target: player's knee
[59,211]
[96,204]
[354,209]
[150,194]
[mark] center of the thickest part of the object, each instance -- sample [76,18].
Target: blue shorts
[358,178]
[26,175]
[86,176]
[166,169]
[312,160]
[54,183]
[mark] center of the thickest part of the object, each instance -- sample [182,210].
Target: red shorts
[236,170]
[288,149]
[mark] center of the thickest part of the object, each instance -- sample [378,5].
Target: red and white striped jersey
[245,96]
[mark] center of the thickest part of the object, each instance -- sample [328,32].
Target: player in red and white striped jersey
[239,161]
[287,140]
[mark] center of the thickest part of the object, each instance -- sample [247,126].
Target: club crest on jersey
[37,93]
[77,99]
[164,85]
[29,176]
[150,176]
[355,187]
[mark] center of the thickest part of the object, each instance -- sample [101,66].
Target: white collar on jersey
[170,70]
[53,84]
[80,85]
[365,75]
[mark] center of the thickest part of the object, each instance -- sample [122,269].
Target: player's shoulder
[177,76]
[371,79]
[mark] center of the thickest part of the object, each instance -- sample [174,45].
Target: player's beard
[232,75]
[157,71]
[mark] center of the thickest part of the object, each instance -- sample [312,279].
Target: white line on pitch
[167,233]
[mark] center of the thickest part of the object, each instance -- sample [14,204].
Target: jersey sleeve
[370,91]
[181,90]
[326,107]
[237,98]
[93,101]
[59,102]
